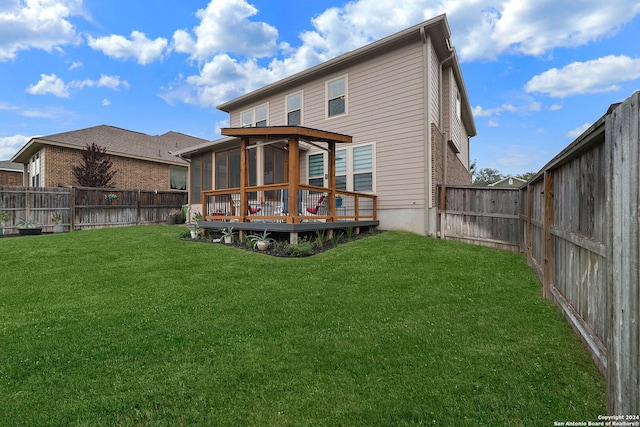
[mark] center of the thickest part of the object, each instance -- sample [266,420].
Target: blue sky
[538,72]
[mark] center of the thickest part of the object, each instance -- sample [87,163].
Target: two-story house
[403,101]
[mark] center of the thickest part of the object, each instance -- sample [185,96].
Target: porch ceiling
[277,132]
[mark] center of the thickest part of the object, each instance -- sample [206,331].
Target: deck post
[294,179]
[332,181]
[244,202]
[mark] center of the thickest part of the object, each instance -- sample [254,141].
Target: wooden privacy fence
[487,216]
[86,208]
[580,230]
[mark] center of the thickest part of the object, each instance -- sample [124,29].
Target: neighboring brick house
[10,173]
[402,99]
[140,160]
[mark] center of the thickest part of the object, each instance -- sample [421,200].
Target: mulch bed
[281,249]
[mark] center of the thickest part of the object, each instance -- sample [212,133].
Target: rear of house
[403,101]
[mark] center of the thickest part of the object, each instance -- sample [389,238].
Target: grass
[133,326]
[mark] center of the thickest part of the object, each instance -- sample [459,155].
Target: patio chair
[235,203]
[321,206]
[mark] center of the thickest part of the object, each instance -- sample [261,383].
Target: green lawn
[133,326]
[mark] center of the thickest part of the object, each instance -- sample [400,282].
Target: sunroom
[283,179]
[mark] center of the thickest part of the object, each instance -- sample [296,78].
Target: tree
[487,176]
[526,176]
[95,170]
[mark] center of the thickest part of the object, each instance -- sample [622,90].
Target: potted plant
[197,217]
[261,241]
[227,235]
[29,227]
[172,218]
[4,218]
[56,218]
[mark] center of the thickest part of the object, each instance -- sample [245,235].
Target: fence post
[138,209]
[549,255]
[443,210]
[622,134]
[72,209]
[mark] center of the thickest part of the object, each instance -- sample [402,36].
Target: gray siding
[385,105]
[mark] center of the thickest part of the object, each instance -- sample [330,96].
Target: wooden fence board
[85,208]
[579,225]
[486,217]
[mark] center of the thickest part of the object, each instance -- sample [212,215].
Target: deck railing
[270,203]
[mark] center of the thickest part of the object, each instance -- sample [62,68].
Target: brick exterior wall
[11,178]
[130,173]
[457,174]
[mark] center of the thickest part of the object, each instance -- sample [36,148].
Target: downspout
[445,151]
[428,191]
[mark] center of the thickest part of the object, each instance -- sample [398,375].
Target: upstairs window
[261,116]
[294,109]
[256,117]
[337,97]
[247,119]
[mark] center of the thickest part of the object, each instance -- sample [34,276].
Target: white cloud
[479,111]
[555,107]
[139,47]
[225,27]
[482,30]
[595,76]
[578,131]
[106,102]
[49,84]
[514,159]
[493,124]
[54,85]
[75,64]
[39,24]
[9,145]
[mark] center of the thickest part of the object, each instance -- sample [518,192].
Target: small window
[247,119]
[458,107]
[261,116]
[341,169]
[316,169]
[294,109]
[336,97]
[35,170]
[178,178]
[363,168]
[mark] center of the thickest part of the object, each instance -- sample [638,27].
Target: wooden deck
[293,229]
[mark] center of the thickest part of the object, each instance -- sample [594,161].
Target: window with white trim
[256,117]
[294,109]
[34,170]
[316,169]
[261,116]
[458,106]
[354,168]
[363,168]
[337,97]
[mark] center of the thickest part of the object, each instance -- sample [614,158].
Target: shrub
[301,249]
